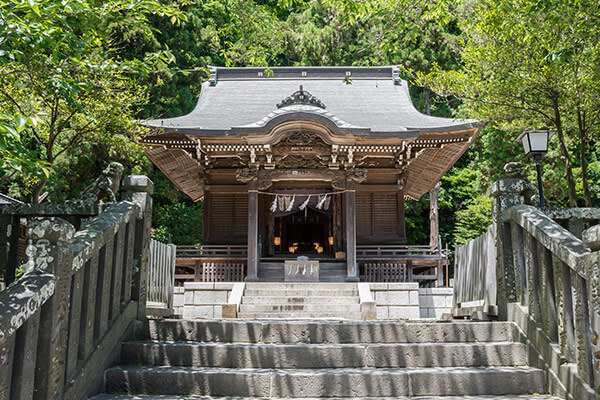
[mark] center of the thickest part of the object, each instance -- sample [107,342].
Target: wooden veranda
[376,263]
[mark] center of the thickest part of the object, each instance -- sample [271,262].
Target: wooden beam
[226,188]
[401,215]
[377,188]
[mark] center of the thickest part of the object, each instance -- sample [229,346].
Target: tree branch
[12,100]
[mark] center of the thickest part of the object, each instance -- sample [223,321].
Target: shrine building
[308,161]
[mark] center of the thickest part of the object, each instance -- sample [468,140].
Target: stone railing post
[47,252]
[506,193]
[591,240]
[138,189]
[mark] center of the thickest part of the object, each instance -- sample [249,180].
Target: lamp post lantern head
[535,143]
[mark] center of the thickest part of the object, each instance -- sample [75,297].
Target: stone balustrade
[547,280]
[79,293]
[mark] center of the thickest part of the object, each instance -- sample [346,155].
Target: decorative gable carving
[301,149]
[301,97]
[301,161]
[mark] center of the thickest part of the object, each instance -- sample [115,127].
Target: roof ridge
[347,73]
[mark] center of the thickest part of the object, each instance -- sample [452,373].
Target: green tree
[527,64]
[473,220]
[60,69]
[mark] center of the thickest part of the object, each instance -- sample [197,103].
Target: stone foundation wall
[434,302]
[396,300]
[393,300]
[201,299]
[178,301]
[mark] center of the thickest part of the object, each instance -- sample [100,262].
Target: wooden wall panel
[385,214]
[379,218]
[240,215]
[221,215]
[364,215]
[228,216]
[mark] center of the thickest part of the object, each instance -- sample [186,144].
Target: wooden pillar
[270,230]
[338,237]
[401,216]
[352,267]
[252,275]
[434,232]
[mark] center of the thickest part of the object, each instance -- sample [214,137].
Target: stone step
[298,300]
[325,382]
[301,315]
[301,285]
[175,397]
[327,331]
[332,307]
[332,278]
[323,278]
[304,356]
[300,292]
[279,271]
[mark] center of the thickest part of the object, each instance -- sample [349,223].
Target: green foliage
[65,83]
[417,220]
[473,220]
[531,64]
[174,215]
[180,222]
[75,75]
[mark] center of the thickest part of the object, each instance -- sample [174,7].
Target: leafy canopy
[63,80]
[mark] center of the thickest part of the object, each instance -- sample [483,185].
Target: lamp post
[535,144]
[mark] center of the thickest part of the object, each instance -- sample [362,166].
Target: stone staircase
[324,358]
[300,300]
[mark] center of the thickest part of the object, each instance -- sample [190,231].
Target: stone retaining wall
[202,299]
[434,302]
[178,302]
[396,300]
[393,300]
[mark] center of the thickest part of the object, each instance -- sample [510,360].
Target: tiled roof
[368,100]
[4,199]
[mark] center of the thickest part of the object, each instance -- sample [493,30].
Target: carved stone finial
[591,238]
[514,170]
[105,186]
[301,97]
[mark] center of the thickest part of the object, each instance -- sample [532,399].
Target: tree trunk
[37,191]
[565,153]
[427,100]
[582,153]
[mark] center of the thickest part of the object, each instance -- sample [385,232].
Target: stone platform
[311,300]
